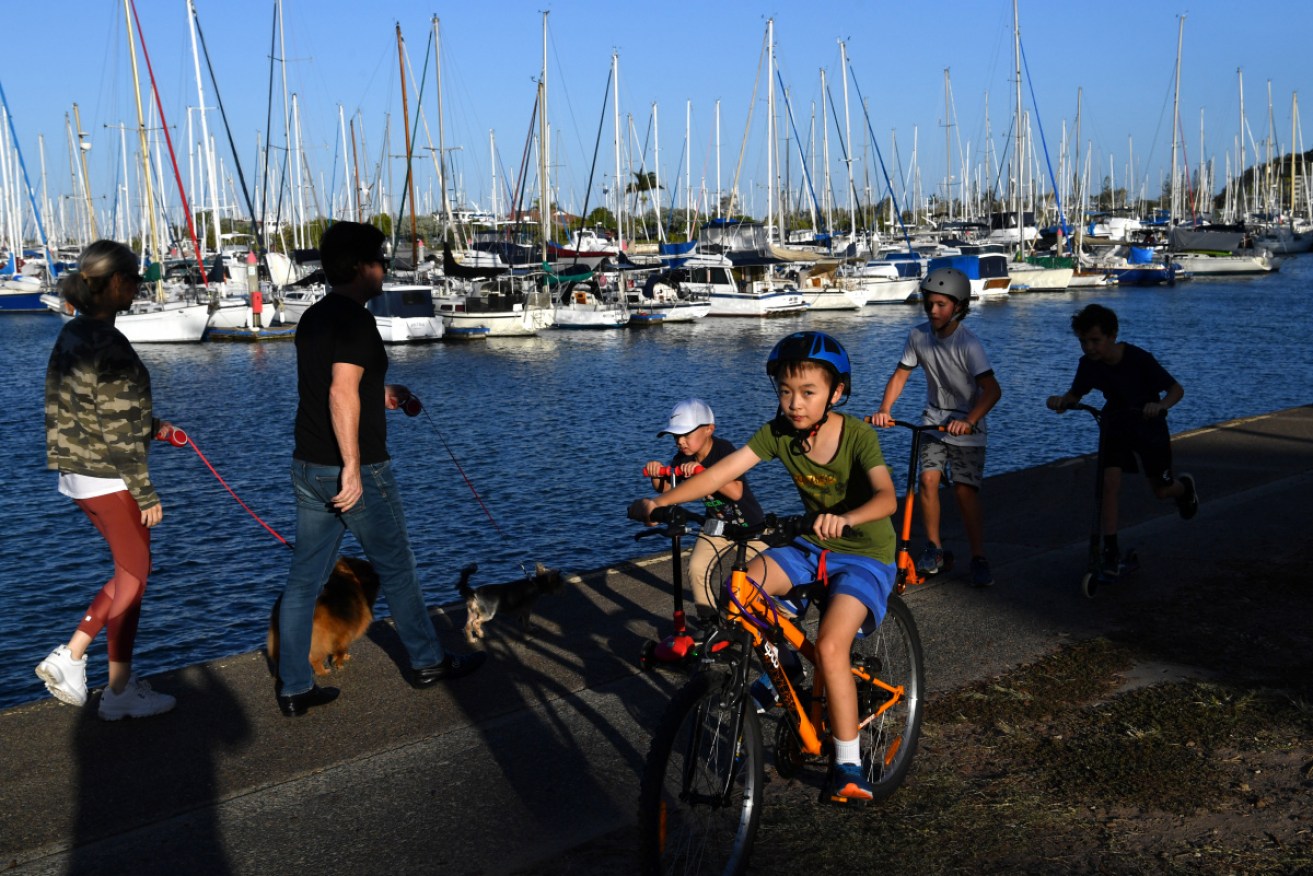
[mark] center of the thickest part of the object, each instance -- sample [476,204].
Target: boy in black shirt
[1137,393]
[693,425]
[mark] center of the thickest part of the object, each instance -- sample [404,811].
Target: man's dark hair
[347,245]
[1095,316]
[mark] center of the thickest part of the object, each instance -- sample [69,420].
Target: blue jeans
[379,524]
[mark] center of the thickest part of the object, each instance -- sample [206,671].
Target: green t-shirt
[835,487]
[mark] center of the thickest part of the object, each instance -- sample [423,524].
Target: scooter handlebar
[666,471]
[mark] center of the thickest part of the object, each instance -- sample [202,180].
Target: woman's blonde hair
[97,265]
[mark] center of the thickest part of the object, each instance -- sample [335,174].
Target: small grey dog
[515,598]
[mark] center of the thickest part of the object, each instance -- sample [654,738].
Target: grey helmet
[947,281]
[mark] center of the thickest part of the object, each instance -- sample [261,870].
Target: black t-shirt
[1127,386]
[746,510]
[337,329]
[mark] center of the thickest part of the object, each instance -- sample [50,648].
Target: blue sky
[1120,54]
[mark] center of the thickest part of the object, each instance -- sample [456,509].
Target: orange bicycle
[701,793]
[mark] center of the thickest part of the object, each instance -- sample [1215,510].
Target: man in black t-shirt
[342,473]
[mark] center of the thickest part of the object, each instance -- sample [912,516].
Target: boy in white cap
[693,425]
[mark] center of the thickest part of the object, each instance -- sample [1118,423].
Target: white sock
[849,751]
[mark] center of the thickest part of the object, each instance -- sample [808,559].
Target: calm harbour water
[552,431]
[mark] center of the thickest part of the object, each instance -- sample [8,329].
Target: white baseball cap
[687,416]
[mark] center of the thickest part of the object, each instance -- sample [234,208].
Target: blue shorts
[864,578]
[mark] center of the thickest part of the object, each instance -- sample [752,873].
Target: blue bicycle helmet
[815,347]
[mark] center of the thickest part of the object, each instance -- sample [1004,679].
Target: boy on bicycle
[1137,393]
[693,425]
[960,389]
[841,476]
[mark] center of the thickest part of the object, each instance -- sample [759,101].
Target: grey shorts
[960,465]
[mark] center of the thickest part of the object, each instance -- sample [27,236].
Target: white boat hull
[1227,265]
[757,303]
[519,323]
[887,291]
[174,322]
[1040,279]
[835,298]
[590,316]
[408,329]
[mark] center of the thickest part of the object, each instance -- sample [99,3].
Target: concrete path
[541,750]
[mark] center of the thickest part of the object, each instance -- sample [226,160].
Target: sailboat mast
[206,147]
[770,127]
[825,158]
[619,181]
[442,151]
[1294,114]
[656,160]
[948,149]
[355,167]
[83,148]
[544,184]
[1176,102]
[346,169]
[1017,156]
[848,138]
[405,118]
[144,146]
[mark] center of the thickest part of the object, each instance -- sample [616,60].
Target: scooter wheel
[948,563]
[1088,584]
[645,661]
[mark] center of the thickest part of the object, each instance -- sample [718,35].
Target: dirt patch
[1181,744]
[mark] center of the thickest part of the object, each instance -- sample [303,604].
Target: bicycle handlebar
[774,530]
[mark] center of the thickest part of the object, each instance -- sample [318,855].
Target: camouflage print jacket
[98,408]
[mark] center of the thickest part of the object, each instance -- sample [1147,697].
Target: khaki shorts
[709,566]
[960,465]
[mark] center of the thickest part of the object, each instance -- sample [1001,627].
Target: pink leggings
[118,604]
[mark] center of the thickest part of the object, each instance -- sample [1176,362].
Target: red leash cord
[179,438]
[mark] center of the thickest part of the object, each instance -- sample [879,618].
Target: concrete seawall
[541,750]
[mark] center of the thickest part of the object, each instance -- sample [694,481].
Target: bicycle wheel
[893,655]
[702,785]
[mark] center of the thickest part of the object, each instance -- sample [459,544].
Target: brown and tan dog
[515,598]
[343,612]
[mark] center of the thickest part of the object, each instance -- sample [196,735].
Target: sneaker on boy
[848,785]
[136,701]
[1188,504]
[981,576]
[65,678]
[932,559]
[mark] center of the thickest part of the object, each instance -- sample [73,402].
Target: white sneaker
[65,678]
[136,701]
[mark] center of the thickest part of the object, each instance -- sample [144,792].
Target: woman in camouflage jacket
[99,426]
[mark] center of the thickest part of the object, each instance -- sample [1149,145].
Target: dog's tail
[463,587]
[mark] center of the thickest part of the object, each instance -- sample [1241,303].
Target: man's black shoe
[296,705]
[452,666]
